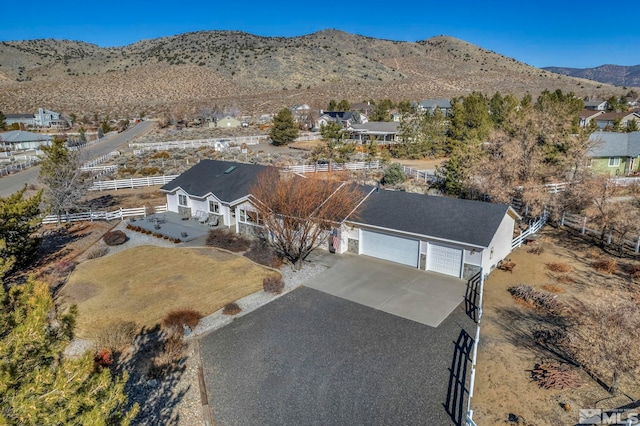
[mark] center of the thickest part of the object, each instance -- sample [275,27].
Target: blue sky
[542,33]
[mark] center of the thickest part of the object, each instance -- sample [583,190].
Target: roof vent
[229,170]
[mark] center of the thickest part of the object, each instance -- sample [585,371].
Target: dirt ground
[127,198]
[507,353]
[427,164]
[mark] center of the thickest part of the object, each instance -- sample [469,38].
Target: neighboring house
[587,115]
[430,105]
[441,234]
[364,107]
[20,140]
[596,105]
[26,120]
[227,122]
[43,118]
[608,120]
[614,153]
[384,132]
[446,235]
[344,118]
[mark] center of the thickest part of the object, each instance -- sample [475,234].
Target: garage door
[390,247]
[443,259]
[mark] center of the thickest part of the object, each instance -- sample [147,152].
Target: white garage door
[390,247]
[443,259]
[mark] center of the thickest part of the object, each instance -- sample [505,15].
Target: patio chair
[214,222]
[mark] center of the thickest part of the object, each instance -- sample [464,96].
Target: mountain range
[617,75]
[253,74]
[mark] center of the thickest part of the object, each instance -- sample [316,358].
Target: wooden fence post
[638,244]
[562,220]
[609,236]
[584,225]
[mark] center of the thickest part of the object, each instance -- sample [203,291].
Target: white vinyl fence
[196,143]
[332,167]
[106,185]
[423,175]
[586,227]
[533,227]
[90,216]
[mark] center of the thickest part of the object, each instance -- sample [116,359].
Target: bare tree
[60,173]
[298,212]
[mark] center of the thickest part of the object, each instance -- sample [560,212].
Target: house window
[248,216]
[614,161]
[214,207]
[182,200]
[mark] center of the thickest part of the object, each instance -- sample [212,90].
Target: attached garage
[390,247]
[444,259]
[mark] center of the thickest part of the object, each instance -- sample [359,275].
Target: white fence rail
[16,167]
[474,355]
[197,143]
[308,137]
[90,216]
[93,163]
[423,175]
[106,185]
[532,229]
[332,167]
[584,225]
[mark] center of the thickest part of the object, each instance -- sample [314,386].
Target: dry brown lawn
[144,283]
[306,145]
[427,164]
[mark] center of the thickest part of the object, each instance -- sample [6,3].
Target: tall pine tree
[285,129]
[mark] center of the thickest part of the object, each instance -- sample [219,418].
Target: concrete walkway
[424,297]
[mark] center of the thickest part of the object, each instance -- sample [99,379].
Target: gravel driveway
[314,359]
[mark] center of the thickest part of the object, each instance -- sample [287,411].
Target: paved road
[309,358]
[12,183]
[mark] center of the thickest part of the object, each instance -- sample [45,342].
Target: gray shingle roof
[377,126]
[465,221]
[614,144]
[16,136]
[208,176]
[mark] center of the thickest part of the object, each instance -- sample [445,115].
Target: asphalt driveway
[309,358]
[425,297]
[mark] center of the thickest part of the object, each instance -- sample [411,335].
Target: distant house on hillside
[381,131]
[596,105]
[43,118]
[24,120]
[587,115]
[344,118]
[364,107]
[609,120]
[20,140]
[431,105]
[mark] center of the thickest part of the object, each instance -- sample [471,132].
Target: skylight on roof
[229,170]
